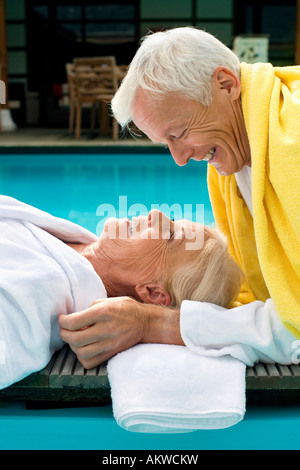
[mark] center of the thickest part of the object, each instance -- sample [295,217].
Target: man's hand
[107,327]
[115,324]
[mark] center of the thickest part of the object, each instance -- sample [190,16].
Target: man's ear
[153,294]
[225,79]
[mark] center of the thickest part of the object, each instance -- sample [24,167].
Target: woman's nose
[159,221]
[154,216]
[156,219]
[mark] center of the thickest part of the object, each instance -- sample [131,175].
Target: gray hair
[211,275]
[180,60]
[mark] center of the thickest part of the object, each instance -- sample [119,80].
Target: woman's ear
[153,294]
[225,79]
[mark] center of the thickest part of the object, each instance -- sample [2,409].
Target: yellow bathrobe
[267,246]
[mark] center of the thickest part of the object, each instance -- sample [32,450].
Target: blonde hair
[212,275]
[180,60]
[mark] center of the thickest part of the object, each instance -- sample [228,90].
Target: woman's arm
[113,325]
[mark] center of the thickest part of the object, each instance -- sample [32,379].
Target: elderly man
[188,91]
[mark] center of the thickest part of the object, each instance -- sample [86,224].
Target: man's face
[192,131]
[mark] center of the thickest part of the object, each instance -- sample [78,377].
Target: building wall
[27,71]
[215,16]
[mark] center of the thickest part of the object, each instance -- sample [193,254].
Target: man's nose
[180,153]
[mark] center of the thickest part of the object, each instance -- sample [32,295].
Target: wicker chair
[93,82]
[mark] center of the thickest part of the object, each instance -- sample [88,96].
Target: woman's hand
[115,324]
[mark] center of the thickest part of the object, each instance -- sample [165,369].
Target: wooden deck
[48,139]
[65,381]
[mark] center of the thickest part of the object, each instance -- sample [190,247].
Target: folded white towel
[164,388]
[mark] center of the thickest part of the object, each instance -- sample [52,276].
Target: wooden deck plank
[65,379]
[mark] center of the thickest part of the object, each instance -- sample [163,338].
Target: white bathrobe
[40,278]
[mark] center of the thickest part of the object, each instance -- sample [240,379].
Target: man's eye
[177,137]
[182,134]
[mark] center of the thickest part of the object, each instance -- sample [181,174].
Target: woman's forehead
[190,225]
[194,234]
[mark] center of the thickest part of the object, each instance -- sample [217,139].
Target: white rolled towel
[159,388]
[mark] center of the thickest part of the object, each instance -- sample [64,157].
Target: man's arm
[113,325]
[252,332]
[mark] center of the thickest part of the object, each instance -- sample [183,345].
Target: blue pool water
[74,187]
[88,188]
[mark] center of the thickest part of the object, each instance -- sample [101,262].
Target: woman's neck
[105,267]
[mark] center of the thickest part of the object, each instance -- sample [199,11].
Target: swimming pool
[88,188]
[74,186]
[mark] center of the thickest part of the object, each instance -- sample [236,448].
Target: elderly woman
[50,266]
[186,90]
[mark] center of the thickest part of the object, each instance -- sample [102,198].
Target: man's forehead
[142,109]
[148,103]
[155,117]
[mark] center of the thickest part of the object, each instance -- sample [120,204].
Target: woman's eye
[172,231]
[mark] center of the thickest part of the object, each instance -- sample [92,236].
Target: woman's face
[146,245]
